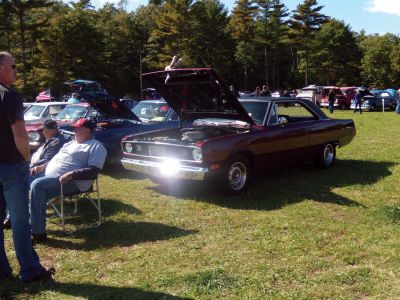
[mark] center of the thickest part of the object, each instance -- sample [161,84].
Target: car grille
[169,152]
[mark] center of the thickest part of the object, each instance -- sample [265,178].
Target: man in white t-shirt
[75,166]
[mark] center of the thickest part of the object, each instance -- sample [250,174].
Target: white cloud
[384,6]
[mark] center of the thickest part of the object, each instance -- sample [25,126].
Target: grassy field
[300,233]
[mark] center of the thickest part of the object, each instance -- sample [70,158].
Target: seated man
[53,144]
[75,167]
[54,141]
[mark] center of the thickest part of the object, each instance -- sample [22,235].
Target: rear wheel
[326,156]
[236,175]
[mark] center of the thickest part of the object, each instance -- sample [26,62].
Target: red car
[343,96]
[225,140]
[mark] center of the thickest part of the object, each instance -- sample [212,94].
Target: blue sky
[374,16]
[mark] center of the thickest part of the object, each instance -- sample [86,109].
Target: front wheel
[326,156]
[236,175]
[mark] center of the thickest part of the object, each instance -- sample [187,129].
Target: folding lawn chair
[59,208]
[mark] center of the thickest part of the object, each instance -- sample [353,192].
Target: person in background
[398,102]
[74,167]
[233,90]
[357,101]
[75,98]
[331,100]
[256,93]
[265,92]
[14,187]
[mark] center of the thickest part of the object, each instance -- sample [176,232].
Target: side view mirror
[283,121]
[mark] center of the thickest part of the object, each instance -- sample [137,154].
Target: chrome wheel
[328,154]
[237,176]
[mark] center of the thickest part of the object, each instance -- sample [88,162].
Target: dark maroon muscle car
[227,139]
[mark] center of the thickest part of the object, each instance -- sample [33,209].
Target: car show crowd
[72,159]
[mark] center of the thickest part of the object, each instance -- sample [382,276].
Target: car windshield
[256,110]
[72,112]
[151,111]
[34,111]
[306,93]
[384,94]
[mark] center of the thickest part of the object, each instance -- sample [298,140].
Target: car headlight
[34,136]
[128,147]
[197,154]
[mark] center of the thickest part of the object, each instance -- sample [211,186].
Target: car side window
[274,116]
[55,110]
[46,112]
[173,116]
[294,112]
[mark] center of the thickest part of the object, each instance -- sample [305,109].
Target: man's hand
[65,178]
[37,169]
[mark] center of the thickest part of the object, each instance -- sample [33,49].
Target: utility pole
[141,52]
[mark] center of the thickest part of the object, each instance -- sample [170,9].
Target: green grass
[300,233]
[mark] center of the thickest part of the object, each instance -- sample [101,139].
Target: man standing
[265,91]
[54,142]
[331,100]
[14,157]
[358,101]
[75,167]
[75,98]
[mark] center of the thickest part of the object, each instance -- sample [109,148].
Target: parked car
[312,93]
[343,96]
[40,112]
[226,141]
[114,121]
[26,105]
[130,103]
[34,117]
[88,90]
[153,111]
[375,98]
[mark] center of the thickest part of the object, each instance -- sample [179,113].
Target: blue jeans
[330,106]
[42,190]
[398,106]
[357,104]
[14,196]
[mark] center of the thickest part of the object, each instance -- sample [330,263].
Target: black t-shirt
[11,111]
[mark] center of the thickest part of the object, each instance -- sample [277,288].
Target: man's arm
[49,152]
[21,139]
[89,173]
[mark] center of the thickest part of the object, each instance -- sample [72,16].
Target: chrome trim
[153,168]
[162,157]
[158,143]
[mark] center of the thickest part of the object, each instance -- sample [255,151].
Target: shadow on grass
[83,290]
[278,188]
[115,234]
[118,172]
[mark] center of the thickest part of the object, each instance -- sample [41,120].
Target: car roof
[48,103]
[153,101]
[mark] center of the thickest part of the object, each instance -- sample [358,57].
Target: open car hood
[196,94]
[112,108]
[93,93]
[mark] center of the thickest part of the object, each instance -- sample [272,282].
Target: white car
[40,112]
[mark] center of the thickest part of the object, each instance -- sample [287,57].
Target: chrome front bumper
[160,169]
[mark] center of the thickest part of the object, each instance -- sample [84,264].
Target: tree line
[258,42]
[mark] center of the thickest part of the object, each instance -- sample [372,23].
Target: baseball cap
[85,123]
[50,124]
